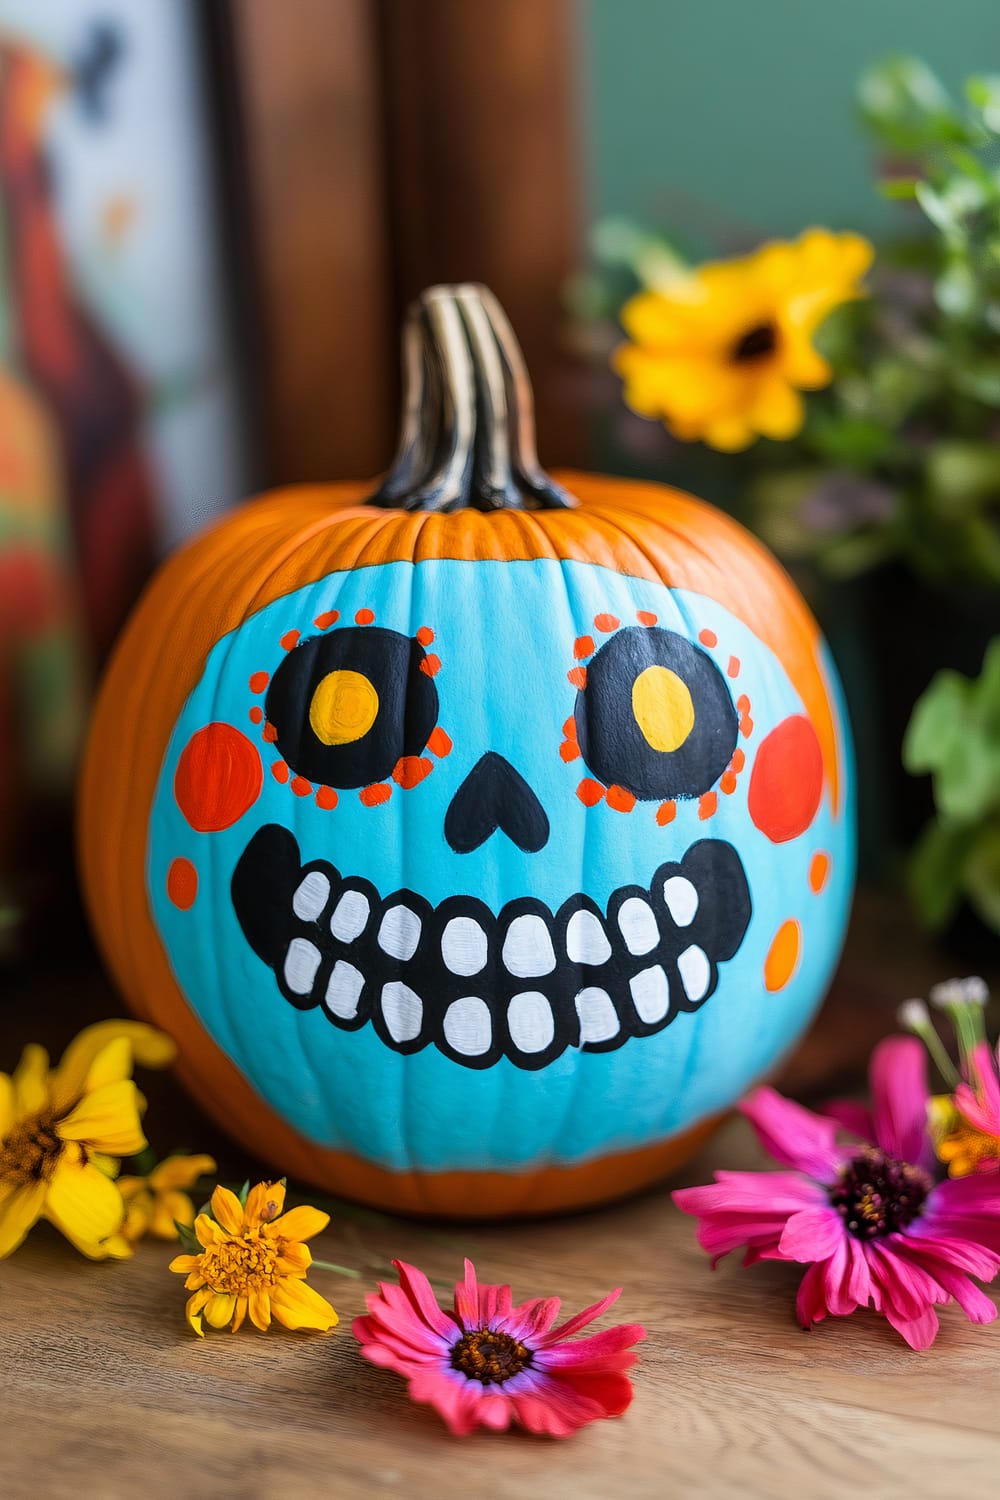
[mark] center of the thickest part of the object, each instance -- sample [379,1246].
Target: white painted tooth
[311,896]
[695,971]
[403,1010]
[344,990]
[468,1026]
[527,948]
[464,947]
[530,1022]
[350,916]
[586,940]
[399,932]
[638,925]
[598,1017]
[301,962]
[650,994]
[681,898]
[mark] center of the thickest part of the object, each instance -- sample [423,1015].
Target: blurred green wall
[733,118]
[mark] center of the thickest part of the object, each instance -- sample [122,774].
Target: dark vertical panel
[307,82]
[483,166]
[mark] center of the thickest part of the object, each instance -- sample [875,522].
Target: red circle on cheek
[786,782]
[218,777]
[182,883]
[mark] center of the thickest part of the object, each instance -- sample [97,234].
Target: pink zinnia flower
[489,1363]
[867,1219]
[978,1103]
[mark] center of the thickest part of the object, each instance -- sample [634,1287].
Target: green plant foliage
[954,734]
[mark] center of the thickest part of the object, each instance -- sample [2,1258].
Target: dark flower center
[488,1356]
[877,1194]
[29,1153]
[755,344]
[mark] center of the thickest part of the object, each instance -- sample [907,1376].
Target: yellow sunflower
[253,1261]
[157,1203]
[62,1130]
[722,352]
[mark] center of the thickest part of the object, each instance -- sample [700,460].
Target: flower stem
[939,1055]
[329,1265]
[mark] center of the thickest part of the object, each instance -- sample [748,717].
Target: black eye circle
[347,705]
[655,716]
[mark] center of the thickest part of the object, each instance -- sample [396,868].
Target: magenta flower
[489,1363]
[869,1220]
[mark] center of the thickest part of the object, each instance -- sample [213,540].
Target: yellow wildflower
[62,1130]
[253,1261]
[721,352]
[157,1203]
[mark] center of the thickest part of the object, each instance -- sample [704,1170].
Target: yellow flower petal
[297,1305]
[169,1210]
[300,1223]
[264,1202]
[778,411]
[84,1206]
[208,1232]
[149,1047]
[239,1314]
[228,1210]
[6,1105]
[118,1247]
[180,1172]
[107,1120]
[184,1264]
[219,1309]
[259,1305]
[31,1082]
[193,1307]
[19,1211]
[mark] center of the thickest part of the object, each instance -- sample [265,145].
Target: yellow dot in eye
[661,703]
[344,707]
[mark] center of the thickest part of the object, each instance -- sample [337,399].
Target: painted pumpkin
[479,840]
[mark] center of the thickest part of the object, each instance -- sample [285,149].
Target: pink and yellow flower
[866,1217]
[488,1363]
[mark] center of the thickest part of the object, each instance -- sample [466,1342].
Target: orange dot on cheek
[786,782]
[218,778]
[326,798]
[182,883]
[819,871]
[783,955]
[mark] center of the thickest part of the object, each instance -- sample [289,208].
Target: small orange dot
[182,883]
[739,760]
[439,742]
[583,646]
[708,638]
[410,770]
[569,728]
[279,771]
[707,805]
[606,623]
[374,796]
[743,704]
[328,618]
[569,750]
[269,733]
[589,792]
[666,813]
[258,682]
[290,639]
[728,782]
[431,665]
[734,666]
[746,726]
[819,870]
[425,635]
[301,787]
[578,677]
[364,617]
[620,799]
[326,797]
[256,714]
[783,955]
[645,617]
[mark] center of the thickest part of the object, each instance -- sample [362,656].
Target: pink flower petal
[919,1333]
[794,1136]
[813,1234]
[421,1294]
[529,1321]
[479,1305]
[837,1280]
[810,1302]
[852,1116]
[898,1079]
[581,1319]
[599,1346]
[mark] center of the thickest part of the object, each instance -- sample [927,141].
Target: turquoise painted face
[474,864]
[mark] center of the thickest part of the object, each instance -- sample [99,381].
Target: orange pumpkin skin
[268,549]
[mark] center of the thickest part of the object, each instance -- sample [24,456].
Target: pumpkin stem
[467,435]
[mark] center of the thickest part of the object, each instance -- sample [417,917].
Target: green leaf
[934,873]
[983,92]
[979,379]
[936,722]
[188,1238]
[244,1193]
[905,105]
[899,188]
[955,290]
[961,476]
[981,876]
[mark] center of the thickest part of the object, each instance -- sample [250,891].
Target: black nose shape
[493,796]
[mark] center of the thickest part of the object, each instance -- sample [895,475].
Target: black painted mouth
[525,984]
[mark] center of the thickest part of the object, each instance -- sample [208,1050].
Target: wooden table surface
[107,1395]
